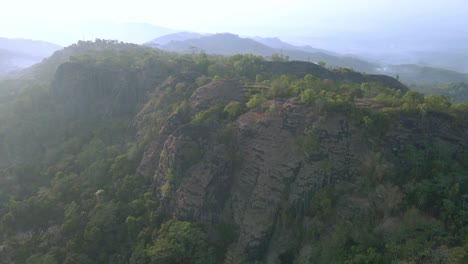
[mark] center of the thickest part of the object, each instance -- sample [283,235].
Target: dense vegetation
[70,191]
[457,91]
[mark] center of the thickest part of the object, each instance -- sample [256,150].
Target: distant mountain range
[279,44]
[17,54]
[230,44]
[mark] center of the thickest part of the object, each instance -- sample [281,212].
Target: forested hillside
[456,91]
[117,153]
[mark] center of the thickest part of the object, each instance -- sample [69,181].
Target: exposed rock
[273,176]
[205,187]
[216,92]
[276,175]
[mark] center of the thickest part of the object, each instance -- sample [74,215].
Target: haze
[395,32]
[294,20]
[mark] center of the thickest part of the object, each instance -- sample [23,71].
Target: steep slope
[134,155]
[277,179]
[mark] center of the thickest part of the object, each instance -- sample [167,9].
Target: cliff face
[271,166]
[138,156]
[278,176]
[273,176]
[260,172]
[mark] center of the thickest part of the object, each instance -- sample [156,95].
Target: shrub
[233,109]
[208,116]
[254,101]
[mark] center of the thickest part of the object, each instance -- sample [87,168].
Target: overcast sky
[290,19]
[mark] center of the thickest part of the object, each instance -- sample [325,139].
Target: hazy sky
[290,19]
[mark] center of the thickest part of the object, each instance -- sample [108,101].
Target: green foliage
[360,255]
[279,58]
[233,110]
[209,116]
[279,87]
[374,124]
[437,103]
[78,259]
[322,204]
[38,259]
[180,242]
[332,101]
[254,101]
[258,78]
[307,142]
[458,92]
[412,100]
[70,190]
[308,97]
[247,66]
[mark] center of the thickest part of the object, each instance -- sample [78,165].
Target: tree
[437,102]
[233,109]
[322,64]
[254,101]
[279,57]
[412,99]
[180,242]
[258,78]
[279,87]
[308,97]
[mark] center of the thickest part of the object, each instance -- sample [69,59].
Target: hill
[134,155]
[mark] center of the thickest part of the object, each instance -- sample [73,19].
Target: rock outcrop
[284,159]
[274,174]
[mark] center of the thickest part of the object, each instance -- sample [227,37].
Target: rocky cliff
[166,158]
[267,173]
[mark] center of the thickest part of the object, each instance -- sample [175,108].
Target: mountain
[179,36]
[437,47]
[222,44]
[27,46]
[16,54]
[277,43]
[130,154]
[230,44]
